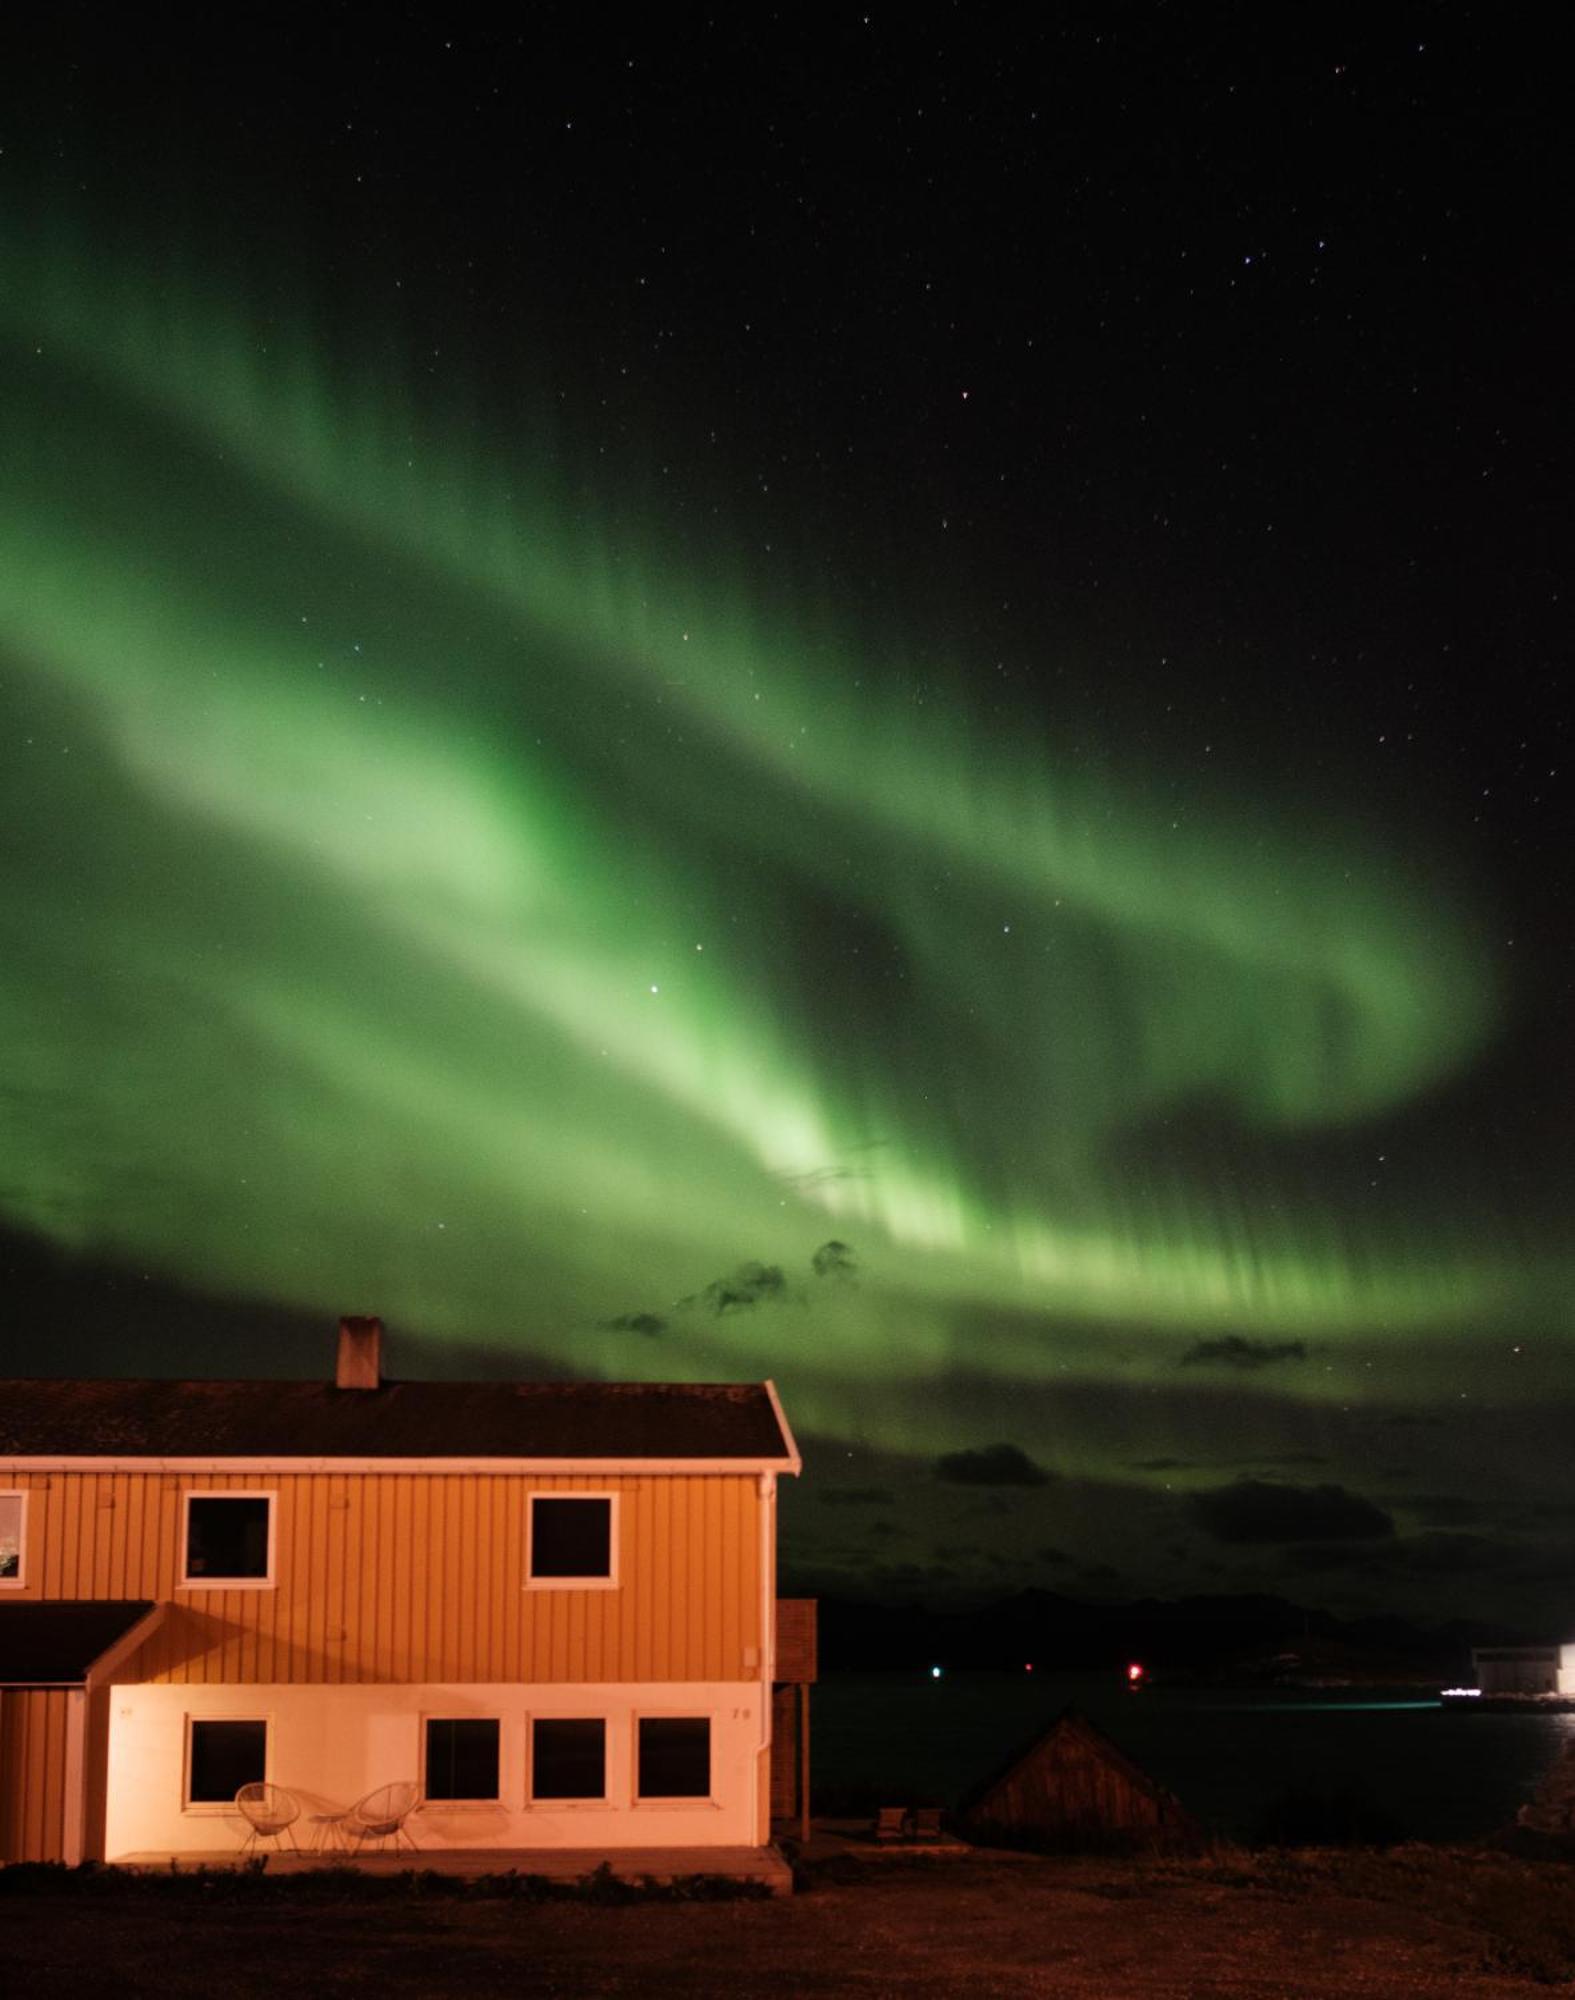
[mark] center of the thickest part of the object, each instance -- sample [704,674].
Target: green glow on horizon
[441,901]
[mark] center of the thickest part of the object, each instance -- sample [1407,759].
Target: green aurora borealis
[424,894]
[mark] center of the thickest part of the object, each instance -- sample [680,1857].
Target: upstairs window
[462,1758]
[568,1757]
[571,1539]
[675,1757]
[13,1521]
[229,1540]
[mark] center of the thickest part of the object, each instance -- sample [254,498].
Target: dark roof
[54,1645]
[1037,1789]
[155,1419]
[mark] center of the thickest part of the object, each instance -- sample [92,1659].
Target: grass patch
[1524,1911]
[253,1884]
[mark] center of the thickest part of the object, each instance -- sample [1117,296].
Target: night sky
[879,703]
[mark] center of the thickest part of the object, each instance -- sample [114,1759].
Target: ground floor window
[568,1757]
[462,1758]
[223,1756]
[674,1757]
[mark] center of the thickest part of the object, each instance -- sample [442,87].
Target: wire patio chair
[270,1813]
[381,1816]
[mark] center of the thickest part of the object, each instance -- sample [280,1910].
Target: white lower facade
[331,1745]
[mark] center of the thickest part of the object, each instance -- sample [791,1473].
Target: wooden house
[1072,1789]
[552,1606]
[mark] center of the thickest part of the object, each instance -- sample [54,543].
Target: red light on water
[1028,1666]
[1135,1675]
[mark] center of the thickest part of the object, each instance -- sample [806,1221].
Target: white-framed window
[571,1541]
[461,1762]
[568,1760]
[227,1541]
[13,1538]
[672,1758]
[222,1754]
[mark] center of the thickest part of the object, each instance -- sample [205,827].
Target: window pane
[227,1537]
[462,1759]
[225,1756]
[571,1537]
[675,1757]
[569,1759]
[10,1534]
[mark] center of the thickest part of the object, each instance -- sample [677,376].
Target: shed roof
[56,1645]
[399,1420]
[1072,1783]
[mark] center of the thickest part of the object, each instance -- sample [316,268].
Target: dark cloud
[1056,1558]
[834,1260]
[991,1465]
[1408,1420]
[748,1286]
[1163,1465]
[885,1531]
[1234,1350]
[1259,1510]
[650,1324]
[855,1496]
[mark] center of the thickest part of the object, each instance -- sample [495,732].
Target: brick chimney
[360,1354]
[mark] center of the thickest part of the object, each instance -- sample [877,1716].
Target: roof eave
[298,1462]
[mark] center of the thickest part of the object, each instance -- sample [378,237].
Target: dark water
[1233,1758]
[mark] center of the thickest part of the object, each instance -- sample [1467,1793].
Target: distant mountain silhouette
[1247,1638]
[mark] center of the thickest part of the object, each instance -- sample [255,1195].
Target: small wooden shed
[797,1670]
[1072,1789]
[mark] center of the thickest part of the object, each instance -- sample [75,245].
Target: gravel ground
[1326,1926]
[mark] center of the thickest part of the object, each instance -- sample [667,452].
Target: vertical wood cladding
[416,1577]
[33,1724]
[798,1621]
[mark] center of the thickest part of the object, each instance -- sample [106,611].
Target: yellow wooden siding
[415,1577]
[33,1727]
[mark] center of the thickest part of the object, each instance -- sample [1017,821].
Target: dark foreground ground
[1413,1923]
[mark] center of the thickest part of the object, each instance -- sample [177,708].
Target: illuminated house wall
[412,1576]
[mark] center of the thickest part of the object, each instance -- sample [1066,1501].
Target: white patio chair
[270,1813]
[381,1816]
